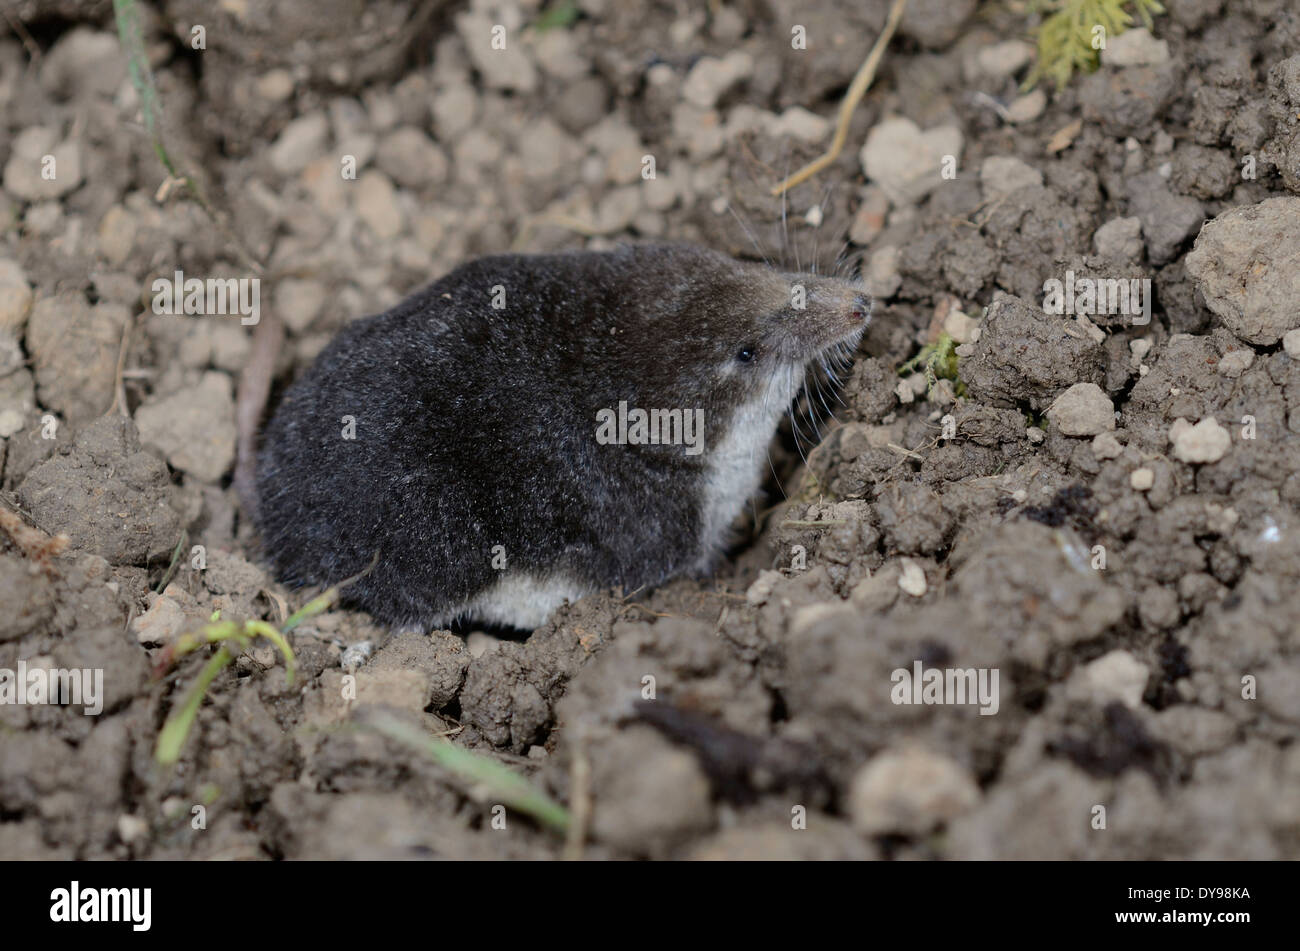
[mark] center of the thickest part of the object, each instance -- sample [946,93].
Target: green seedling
[557,16]
[173,565]
[939,361]
[1068,36]
[127,17]
[232,640]
[488,780]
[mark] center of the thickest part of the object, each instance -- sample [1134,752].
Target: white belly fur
[521,600]
[736,465]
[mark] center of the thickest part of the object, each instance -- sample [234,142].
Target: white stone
[131,828]
[410,158]
[508,69]
[797,122]
[761,589]
[299,301]
[11,421]
[117,231]
[194,427]
[711,78]
[659,193]
[906,162]
[961,327]
[298,143]
[617,208]
[910,791]
[1004,59]
[1106,446]
[869,220]
[882,278]
[1120,239]
[1003,174]
[1142,479]
[1236,362]
[1135,48]
[1028,107]
[160,623]
[455,111]
[24,173]
[1117,676]
[375,201]
[912,579]
[1207,441]
[559,54]
[275,85]
[1083,410]
[15,297]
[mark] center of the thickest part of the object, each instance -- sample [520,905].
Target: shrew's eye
[746,355]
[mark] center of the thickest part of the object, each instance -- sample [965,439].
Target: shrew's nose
[861,307]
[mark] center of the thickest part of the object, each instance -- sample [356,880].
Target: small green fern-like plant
[938,361]
[1067,37]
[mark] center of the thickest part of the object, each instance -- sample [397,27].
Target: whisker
[785,231]
[794,422]
[749,234]
[833,383]
[808,403]
[832,387]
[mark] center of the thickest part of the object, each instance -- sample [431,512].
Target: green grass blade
[172,736]
[502,783]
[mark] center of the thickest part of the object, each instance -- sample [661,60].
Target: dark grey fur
[475,427]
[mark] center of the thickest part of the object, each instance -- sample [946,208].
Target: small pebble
[711,78]
[1004,59]
[160,623]
[1003,174]
[131,828]
[869,220]
[1120,239]
[1028,107]
[1083,410]
[909,791]
[356,654]
[1207,441]
[1116,676]
[882,276]
[300,141]
[1135,48]
[906,162]
[1106,446]
[912,580]
[1236,362]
